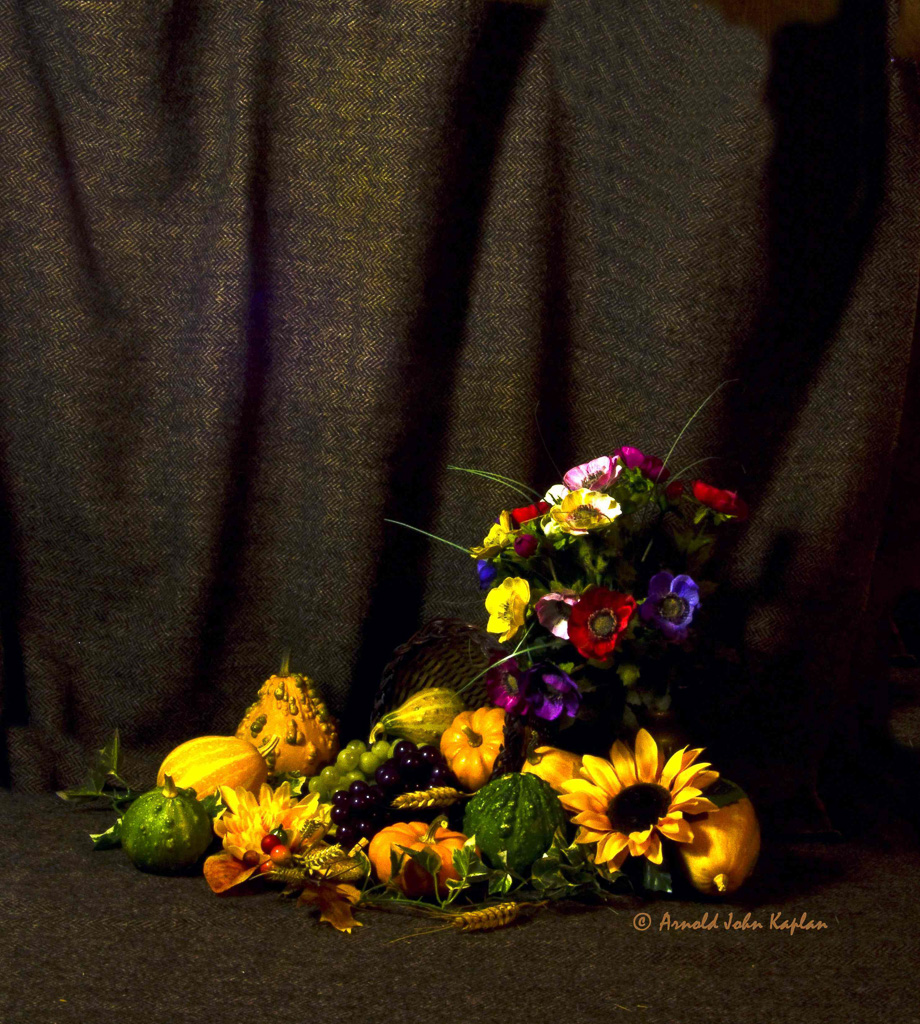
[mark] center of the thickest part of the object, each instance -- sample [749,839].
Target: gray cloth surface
[86,937]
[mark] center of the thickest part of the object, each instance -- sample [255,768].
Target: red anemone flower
[528,512]
[597,619]
[726,502]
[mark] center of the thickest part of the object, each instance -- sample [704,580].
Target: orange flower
[248,820]
[625,805]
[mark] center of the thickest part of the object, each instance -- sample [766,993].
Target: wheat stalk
[439,796]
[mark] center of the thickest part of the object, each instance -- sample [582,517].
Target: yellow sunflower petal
[602,774]
[674,765]
[583,786]
[609,847]
[705,779]
[646,757]
[638,842]
[676,829]
[653,851]
[592,820]
[587,836]
[686,777]
[623,764]
[698,805]
[582,802]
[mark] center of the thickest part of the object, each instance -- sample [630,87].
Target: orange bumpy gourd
[471,744]
[291,726]
[412,879]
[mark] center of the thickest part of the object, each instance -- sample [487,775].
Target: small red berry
[251,858]
[280,854]
[266,867]
[268,842]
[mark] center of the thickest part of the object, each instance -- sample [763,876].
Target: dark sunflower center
[673,608]
[603,623]
[638,807]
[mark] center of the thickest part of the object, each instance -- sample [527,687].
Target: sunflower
[247,821]
[628,803]
[583,510]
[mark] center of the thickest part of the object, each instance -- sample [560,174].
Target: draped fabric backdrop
[268,268]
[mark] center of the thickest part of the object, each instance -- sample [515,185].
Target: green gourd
[515,813]
[166,830]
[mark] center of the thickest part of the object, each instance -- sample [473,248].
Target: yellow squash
[553,765]
[422,718]
[724,848]
[207,762]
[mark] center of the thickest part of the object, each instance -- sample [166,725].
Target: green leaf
[109,839]
[427,860]
[655,878]
[468,864]
[500,883]
[214,805]
[723,792]
[629,674]
[84,792]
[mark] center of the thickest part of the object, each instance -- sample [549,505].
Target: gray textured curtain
[268,268]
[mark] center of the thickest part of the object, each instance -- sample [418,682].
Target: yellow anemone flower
[248,820]
[499,537]
[627,803]
[581,511]
[506,605]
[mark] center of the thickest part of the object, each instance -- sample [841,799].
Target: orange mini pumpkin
[471,744]
[553,765]
[412,879]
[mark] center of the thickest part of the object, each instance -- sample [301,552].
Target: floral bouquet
[598,585]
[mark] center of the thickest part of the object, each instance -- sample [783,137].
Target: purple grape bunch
[361,810]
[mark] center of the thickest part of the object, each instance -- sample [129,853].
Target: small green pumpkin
[166,830]
[515,813]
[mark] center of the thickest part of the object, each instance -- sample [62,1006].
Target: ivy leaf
[109,839]
[468,864]
[500,883]
[629,674]
[427,860]
[214,805]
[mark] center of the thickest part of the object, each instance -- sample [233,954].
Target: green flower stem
[495,664]
[699,409]
[497,478]
[433,536]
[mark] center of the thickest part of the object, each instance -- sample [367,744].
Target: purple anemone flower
[507,688]
[671,603]
[487,573]
[551,692]
[648,465]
